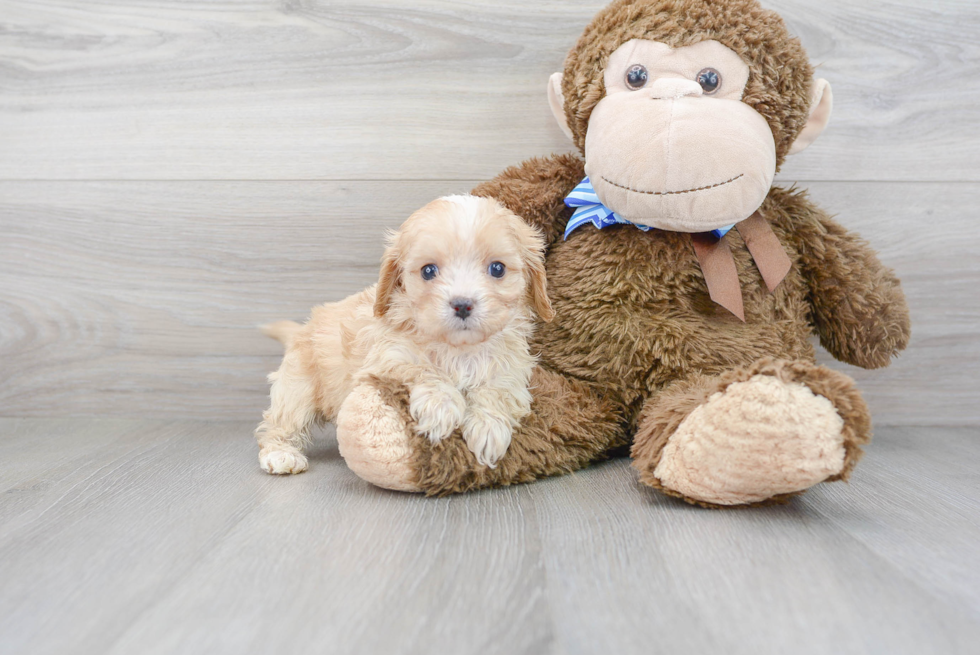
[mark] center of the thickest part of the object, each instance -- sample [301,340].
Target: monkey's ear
[387,282]
[557,102]
[821,104]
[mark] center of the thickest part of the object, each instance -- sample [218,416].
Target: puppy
[449,317]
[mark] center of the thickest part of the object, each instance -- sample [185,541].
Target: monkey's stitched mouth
[672,193]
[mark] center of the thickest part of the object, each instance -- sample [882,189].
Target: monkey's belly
[633,312]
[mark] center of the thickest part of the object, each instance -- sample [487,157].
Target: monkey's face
[671,145]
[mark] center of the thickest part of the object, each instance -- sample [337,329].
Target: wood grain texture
[142,299]
[829,573]
[173,174]
[164,537]
[151,293]
[423,89]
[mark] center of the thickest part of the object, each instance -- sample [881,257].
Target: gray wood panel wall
[173,174]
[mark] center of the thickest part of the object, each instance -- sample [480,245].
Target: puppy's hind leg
[285,426]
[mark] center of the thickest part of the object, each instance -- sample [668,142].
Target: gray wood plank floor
[136,536]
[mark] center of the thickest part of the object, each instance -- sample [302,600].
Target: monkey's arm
[535,190]
[859,308]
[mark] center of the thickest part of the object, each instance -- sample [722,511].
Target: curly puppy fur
[457,336]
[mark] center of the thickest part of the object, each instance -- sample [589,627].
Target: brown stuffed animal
[673,332]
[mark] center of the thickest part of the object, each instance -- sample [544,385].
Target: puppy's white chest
[465,369]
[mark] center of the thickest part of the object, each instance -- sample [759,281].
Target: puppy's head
[460,269]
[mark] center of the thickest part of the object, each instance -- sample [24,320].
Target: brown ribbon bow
[718,265]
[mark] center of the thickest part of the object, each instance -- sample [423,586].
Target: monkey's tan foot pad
[284,461]
[374,441]
[757,439]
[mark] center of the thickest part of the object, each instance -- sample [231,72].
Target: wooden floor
[132,536]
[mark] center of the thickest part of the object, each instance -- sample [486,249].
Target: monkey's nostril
[462,307]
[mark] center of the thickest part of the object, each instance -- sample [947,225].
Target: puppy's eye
[710,80]
[429,271]
[636,77]
[497,269]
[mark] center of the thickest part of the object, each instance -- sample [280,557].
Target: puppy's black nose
[462,306]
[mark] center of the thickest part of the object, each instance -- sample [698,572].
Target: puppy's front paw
[282,462]
[437,409]
[487,435]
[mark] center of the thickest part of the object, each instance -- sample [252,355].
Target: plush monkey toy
[685,285]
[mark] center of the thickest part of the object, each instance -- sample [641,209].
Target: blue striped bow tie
[589,209]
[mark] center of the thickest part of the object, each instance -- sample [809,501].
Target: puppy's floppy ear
[532,254]
[389,278]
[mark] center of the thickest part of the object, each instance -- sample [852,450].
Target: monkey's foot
[757,439]
[758,434]
[374,440]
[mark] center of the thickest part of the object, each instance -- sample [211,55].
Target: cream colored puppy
[450,317]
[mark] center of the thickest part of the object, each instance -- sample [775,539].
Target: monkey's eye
[636,77]
[429,271]
[710,80]
[497,269]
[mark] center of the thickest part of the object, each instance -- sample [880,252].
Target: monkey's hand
[536,189]
[859,308]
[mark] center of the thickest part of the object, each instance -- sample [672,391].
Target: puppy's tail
[282,331]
